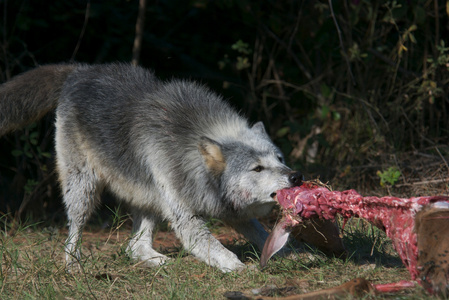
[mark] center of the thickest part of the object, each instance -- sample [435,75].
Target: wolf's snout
[296,178]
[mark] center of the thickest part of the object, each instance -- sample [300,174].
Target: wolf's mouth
[273,195]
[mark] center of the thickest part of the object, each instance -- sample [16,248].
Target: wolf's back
[29,96]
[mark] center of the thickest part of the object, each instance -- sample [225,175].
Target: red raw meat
[396,216]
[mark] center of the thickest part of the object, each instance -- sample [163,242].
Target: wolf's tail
[29,96]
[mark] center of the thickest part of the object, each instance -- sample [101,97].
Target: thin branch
[302,88]
[140,23]
[393,64]
[442,157]
[290,52]
[425,182]
[86,20]
[437,23]
[341,43]
[5,45]
[295,29]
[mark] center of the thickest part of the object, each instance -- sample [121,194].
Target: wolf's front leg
[198,240]
[140,246]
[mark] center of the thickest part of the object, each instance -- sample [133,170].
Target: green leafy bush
[389,176]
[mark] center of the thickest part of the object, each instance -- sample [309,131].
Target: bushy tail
[29,96]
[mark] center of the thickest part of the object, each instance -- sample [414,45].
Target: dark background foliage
[345,88]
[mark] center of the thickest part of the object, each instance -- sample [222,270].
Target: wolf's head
[249,170]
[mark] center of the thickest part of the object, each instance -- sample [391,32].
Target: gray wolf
[172,150]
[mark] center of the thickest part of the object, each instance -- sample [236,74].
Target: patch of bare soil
[165,241]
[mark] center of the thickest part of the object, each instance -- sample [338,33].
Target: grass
[32,267]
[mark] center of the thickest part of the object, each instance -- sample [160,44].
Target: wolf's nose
[295,178]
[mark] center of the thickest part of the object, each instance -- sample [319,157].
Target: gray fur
[30,96]
[171,150]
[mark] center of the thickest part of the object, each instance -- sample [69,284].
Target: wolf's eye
[258,169]
[280,159]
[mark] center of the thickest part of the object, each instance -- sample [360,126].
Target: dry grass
[32,267]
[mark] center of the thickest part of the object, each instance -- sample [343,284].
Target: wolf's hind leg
[140,246]
[81,194]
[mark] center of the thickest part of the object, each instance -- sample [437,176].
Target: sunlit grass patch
[33,267]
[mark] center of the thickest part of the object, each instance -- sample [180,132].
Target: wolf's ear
[213,156]
[259,128]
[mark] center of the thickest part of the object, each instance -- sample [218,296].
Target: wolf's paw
[147,256]
[226,262]
[231,267]
[73,259]
[151,262]
[73,267]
